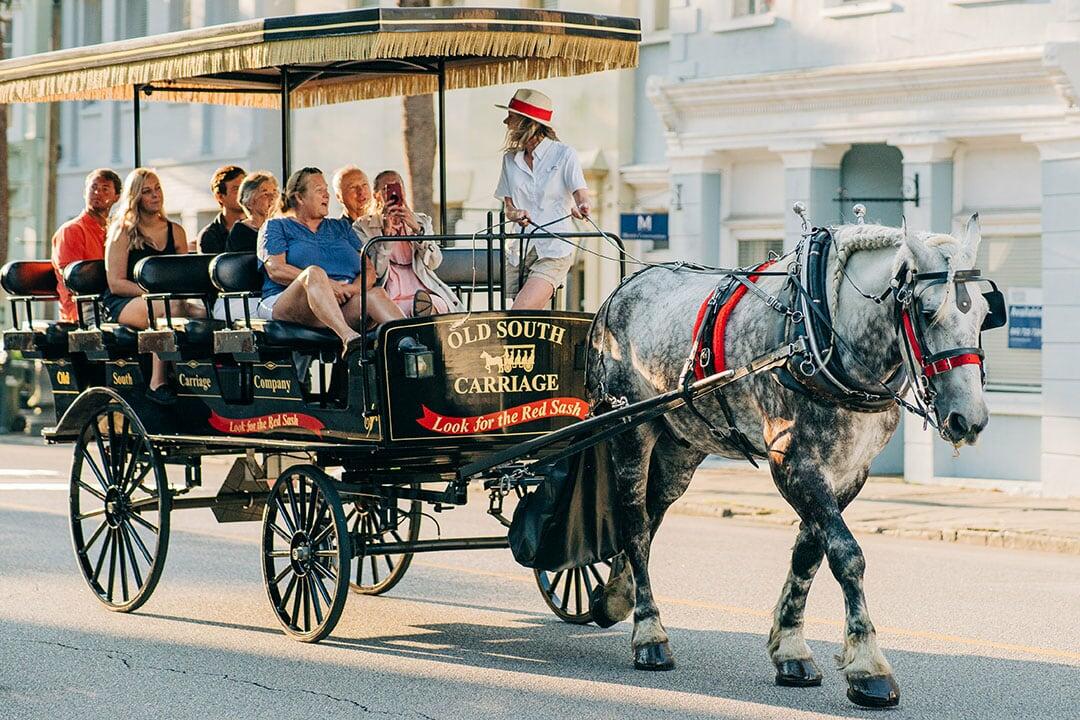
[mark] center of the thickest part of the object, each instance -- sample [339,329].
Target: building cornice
[1007,91]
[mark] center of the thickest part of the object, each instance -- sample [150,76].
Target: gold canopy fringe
[500,57]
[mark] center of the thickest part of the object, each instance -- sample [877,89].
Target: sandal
[422,305]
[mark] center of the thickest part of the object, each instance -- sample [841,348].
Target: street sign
[644,226]
[1025,318]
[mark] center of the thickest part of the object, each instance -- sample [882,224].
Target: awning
[331,57]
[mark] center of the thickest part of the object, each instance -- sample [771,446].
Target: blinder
[996,316]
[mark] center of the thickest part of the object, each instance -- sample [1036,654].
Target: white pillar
[1061,314]
[694,219]
[811,176]
[931,159]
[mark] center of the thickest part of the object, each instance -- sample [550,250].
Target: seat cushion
[294,336]
[123,337]
[56,335]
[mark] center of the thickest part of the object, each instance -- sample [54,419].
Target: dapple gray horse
[819,454]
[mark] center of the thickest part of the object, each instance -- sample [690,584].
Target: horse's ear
[972,234]
[909,242]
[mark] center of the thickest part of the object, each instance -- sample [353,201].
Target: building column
[1061,315]
[811,176]
[931,160]
[694,220]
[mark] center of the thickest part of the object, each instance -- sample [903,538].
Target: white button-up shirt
[545,190]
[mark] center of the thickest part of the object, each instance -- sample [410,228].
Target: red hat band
[537,113]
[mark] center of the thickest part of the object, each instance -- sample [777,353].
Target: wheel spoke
[554,586]
[91,490]
[281,533]
[295,516]
[307,605]
[134,562]
[112,564]
[588,583]
[93,538]
[314,508]
[322,534]
[92,514]
[144,522]
[130,482]
[138,541]
[374,570]
[296,603]
[596,574]
[278,553]
[106,457]
[318,584]
[327,572]
[326,553]
[101,558]
[123,565]
[314,599]
[577,589]
[281,575]
[94,468]
[302,503]
[284,513]
[288,590]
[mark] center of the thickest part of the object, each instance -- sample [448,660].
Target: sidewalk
[888,506]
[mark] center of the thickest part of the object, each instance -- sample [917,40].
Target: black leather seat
[293,336]
[28,282]
[29,278]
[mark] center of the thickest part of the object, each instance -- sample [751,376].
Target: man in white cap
[541,187]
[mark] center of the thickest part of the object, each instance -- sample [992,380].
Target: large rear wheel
[119,509]
[306,550]
[568,592]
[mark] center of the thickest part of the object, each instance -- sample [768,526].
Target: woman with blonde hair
[141,229]
[541,187]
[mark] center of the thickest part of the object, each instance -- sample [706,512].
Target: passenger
[141,229]
[312,265]
[258,193]
[353,192]
[541,184]
[225,184]
[83,238]
[405,268]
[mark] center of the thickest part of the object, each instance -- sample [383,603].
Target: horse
[819,449]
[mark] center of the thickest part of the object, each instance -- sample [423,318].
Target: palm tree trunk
[418,113]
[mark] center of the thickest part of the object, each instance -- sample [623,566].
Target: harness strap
[939,362]
[719,325]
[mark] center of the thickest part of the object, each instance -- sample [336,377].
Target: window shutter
[1011,262]
[755,252]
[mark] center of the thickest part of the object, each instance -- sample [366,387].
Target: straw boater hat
[532,104]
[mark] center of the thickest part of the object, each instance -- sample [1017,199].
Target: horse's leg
[804,484]
[795,666]
[630,458]
[670,471]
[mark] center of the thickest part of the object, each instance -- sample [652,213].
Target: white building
[746,106]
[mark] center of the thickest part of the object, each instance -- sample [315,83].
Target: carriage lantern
[419,361]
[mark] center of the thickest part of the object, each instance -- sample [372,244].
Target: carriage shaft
[468,543]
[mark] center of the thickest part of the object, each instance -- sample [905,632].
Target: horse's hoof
[798,673]
[598,609]
[654,656]
[874,691]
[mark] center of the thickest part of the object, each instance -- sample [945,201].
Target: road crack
[126,660]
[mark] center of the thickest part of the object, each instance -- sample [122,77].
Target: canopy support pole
[442,148]
[137,122]
[286,129]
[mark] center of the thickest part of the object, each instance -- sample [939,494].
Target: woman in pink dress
[406,268]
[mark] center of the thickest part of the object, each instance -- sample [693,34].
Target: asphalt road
[971,632]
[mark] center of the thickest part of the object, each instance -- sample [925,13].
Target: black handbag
[570,519]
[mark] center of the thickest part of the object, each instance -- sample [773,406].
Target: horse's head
[941,314]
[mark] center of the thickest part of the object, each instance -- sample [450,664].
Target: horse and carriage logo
[512,357]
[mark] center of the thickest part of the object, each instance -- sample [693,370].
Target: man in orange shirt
[83,238]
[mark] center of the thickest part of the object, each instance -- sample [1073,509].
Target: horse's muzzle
[958,430]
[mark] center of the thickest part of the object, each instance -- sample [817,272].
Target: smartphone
[393,193]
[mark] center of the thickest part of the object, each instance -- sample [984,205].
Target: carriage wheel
[119,509]
[567,592]
[376,574]
[306,551]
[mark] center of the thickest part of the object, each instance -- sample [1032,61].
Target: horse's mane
[850,239]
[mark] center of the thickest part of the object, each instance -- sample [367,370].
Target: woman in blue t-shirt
[312,265]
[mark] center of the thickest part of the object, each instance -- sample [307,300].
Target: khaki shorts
[551,269]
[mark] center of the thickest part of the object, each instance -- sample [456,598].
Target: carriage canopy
[331,57]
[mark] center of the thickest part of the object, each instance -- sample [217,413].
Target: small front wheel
[306,551]
[568,592]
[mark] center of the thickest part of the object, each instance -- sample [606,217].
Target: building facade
[934,110]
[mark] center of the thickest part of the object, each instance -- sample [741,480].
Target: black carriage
[426,408]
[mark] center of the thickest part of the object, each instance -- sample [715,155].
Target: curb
[995,538]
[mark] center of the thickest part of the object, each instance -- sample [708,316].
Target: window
[5,30]
[755,252]
[134,20]
[90,22]
[222,11]
[742,8]
[179,14]
[1014,262]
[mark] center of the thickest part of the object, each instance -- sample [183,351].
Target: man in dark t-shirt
[225,185]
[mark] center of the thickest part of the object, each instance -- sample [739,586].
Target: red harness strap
[722,317]
[938,366]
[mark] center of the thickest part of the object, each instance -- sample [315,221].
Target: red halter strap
[940,364]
